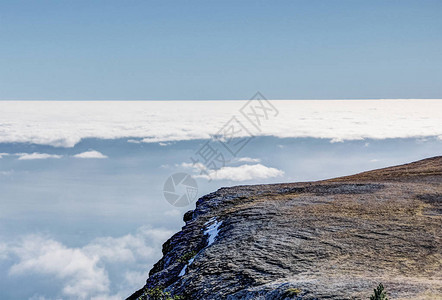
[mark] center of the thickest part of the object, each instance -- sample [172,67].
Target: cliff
[332,239]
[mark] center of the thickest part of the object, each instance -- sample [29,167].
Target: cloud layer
[83,271]
[65,123]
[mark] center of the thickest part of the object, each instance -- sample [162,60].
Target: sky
[174,50]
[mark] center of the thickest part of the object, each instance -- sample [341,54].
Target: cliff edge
[332,239]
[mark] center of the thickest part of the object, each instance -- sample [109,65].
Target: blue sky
[120,50]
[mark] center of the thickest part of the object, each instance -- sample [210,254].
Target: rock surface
[332,239]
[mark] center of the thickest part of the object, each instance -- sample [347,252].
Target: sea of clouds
[65,123]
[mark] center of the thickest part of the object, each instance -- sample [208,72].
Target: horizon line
[159,100]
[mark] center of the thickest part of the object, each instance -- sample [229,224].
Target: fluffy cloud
[90,154]
[237,173]
[79,271]
[249,159]
[36,155]
[65,123]
[242,173]
[83,271]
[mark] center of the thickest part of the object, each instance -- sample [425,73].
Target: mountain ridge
[329,239]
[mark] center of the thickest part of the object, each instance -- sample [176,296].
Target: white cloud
[31,156]
[80,272]
[90,154]
[237,173]
[132,141]
[196,166]
[36,155]
[337,140]
[249,159]
[65,123]
[240,173]
[83,271]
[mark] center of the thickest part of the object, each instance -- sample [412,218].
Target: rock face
[332,239]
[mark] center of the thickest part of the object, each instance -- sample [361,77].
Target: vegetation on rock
[187,256]
[379,293]
[157,293]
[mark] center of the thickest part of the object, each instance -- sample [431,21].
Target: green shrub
[379,293]
[187,256]
[157,293]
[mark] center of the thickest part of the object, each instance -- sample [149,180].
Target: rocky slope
[332,239]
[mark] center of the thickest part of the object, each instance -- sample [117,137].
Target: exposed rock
[333,239]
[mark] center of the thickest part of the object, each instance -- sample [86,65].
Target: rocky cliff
[332,239]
